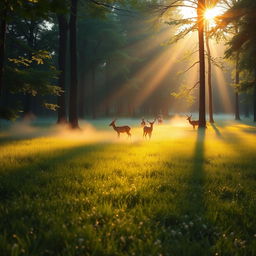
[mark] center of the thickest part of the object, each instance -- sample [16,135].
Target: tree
[200,22]
[73,114]
[63,36]
[29,17]
[242,13]
[200,26]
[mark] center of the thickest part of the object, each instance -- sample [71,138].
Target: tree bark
[93,93]
[254,98]
[63,37]
[209,76]
[107,84]
[81,84]
[81,105]
[28,110]
[2,48]
[200,21]
[237,110]
[73,115]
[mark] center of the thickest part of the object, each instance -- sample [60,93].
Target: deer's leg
[118,134]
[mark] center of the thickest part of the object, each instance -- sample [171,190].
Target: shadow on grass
[217,131]
[194,195]
[15,181]
[197,231]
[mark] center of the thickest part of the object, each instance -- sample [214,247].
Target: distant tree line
[81,58]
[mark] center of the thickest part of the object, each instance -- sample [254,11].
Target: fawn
[148,129]
[192,122]
[120,129]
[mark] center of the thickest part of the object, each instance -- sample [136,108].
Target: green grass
[86,193]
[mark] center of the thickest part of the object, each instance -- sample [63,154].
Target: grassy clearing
[86,193]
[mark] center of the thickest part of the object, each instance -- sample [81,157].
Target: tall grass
[185,192]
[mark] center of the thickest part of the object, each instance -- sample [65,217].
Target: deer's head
[112,123]
[188,117]
[151,123]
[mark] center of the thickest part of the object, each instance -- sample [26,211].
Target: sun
[211,13]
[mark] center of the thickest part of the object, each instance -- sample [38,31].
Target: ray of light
[222,86]
[150,43]
[157,76]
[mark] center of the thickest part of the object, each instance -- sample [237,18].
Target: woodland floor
[184,192]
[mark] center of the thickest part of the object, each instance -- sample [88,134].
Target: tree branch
[112,7]
[195,63]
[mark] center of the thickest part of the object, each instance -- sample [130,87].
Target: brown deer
[148,129]
[120,129]
[192,122]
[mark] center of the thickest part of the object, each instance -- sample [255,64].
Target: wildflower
[122,238]
[80,240]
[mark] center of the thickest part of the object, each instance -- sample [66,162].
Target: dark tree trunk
[107,94]
[27,105]
[81,106]
[209,76]
[2,48]
[246,110]
[82,83]
[93,94]
[63,37]
[200,21]
[31,43]
[254,99]
[237,110]
[73,115]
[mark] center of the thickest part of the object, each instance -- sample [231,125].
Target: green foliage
[51,106]
[184,93]
[244,41]
[23,76]
[9,113]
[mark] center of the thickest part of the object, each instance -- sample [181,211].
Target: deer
[143,123]
[120,129]
[148,129]
[160,119]
[192,122]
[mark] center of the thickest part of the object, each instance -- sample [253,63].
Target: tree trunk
[82,83]
[93,94]
[237,111]
[107,94]
[27,105]
[63,37]
[254,99]
[31,43]
[2,48]
[246,110]
[73,115]
[200,21]
[81,106]
[209,76]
